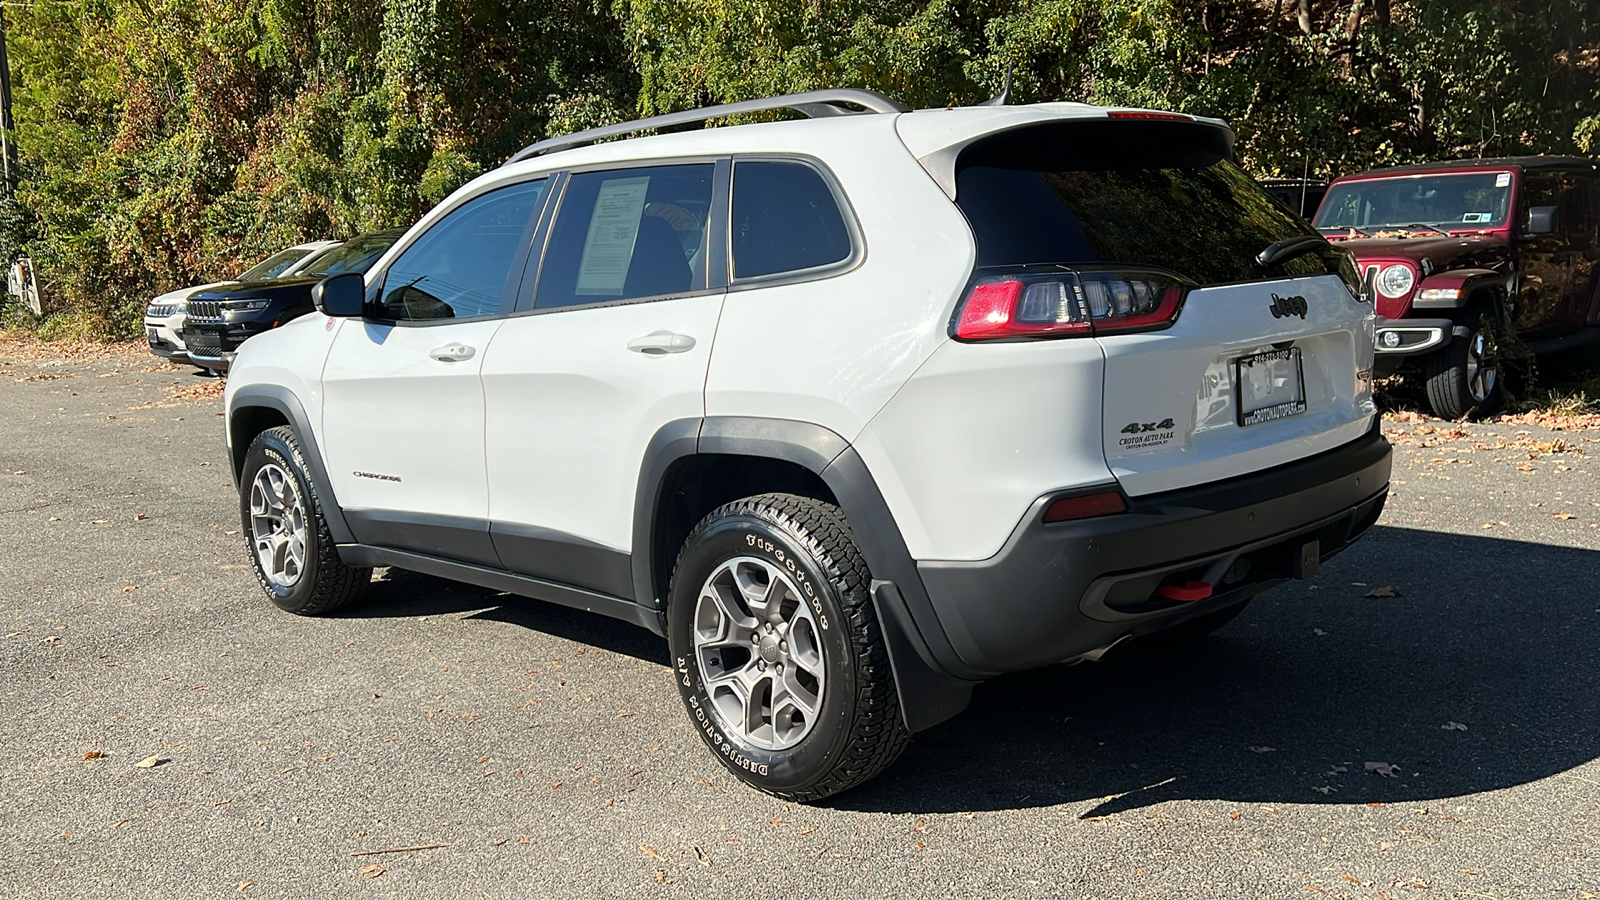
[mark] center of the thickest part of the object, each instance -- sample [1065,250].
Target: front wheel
[295,557]
[1464,376]
[777,649]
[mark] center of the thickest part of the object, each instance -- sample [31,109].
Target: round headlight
[1391,339]
[1395,281]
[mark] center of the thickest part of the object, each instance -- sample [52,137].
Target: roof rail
[812,104]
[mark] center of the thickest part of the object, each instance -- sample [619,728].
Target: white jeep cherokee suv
[857,410]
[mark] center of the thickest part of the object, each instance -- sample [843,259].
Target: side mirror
[1541,220]
[344,295]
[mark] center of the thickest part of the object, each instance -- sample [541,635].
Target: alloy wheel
[278,525]
[760,651]
[1483,365]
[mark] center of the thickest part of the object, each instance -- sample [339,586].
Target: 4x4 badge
[1294,305]
[1141,427]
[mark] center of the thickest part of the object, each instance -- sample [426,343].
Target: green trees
[168,141]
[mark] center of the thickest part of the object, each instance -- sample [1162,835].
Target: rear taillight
[1067,303]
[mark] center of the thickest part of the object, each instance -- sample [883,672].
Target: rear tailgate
[1231,388]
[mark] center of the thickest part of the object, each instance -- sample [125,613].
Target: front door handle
[657,343]
[453,353]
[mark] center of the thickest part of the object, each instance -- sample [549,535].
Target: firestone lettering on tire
[800,579]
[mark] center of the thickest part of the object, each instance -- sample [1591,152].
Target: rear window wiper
[1289,248]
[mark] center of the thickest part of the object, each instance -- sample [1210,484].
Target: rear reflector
[1086,506]
[1065,303]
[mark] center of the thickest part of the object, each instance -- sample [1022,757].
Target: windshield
[355,255]
[274,265]
[1465,202]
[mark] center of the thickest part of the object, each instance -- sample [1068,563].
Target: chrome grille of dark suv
[205,310]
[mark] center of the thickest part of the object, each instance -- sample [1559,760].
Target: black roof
[1499,162]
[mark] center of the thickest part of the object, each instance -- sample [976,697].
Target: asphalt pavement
[1421,720]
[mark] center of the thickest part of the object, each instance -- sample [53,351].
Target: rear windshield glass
[1204,222]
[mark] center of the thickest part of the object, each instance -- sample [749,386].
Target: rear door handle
[657,343]
[453,353]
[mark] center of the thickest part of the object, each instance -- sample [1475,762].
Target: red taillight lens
[1014,307]
[1067,303]
[1085,507]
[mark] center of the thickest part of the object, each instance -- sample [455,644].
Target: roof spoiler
[812,104]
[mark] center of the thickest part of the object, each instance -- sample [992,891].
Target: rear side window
[785,219]
[627,234]
[458,268]
[1205,222]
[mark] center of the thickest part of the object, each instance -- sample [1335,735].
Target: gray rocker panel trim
[283,401]
[500,580]
[449,537]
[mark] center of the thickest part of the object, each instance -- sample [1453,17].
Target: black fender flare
[1467,282]
[932,681]
[282,400]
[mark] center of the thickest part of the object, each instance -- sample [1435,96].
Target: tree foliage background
[165,142]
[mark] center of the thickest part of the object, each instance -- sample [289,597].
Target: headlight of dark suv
[245,305]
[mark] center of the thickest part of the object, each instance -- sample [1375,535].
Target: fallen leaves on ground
[1453,726]
[372,871]
[1387,770]
[149,762]
[1263,749]
[1387,590]
[209,391]
[94,754]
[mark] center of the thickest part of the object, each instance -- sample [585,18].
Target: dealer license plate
[1270,386]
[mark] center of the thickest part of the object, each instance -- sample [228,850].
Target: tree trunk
[1380,11]
[1305,16]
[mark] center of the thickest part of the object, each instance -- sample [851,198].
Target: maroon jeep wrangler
[1461,254]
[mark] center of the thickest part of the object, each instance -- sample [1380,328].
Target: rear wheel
[1464,376]
[777,649]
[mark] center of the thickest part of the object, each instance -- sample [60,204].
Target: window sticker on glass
[1502,179]
[603,270]
[1477,217]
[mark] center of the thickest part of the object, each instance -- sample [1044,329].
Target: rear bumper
[1063,591]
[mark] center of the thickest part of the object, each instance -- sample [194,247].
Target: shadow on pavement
[398,593]
[1500,636]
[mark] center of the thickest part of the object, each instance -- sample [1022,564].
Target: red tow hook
[1184,593]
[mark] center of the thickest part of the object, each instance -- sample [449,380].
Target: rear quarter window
[785,219]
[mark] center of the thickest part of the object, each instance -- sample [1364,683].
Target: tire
[1465,377]
[809,649]
[294,557]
